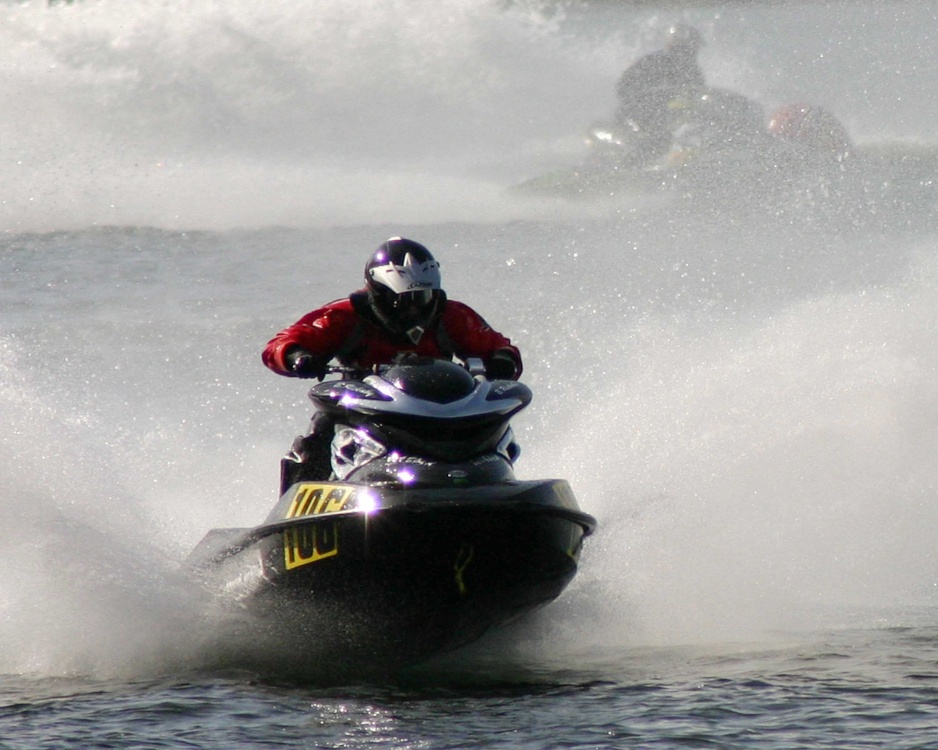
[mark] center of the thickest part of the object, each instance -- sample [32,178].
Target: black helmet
[682,36]
[403,283]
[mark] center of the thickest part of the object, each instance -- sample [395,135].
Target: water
[744,396]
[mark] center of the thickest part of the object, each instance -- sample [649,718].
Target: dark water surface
[873,688]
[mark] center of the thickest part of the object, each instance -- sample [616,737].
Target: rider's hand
[501,366]
[305,365]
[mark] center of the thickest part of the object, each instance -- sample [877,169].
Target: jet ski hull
[393,576]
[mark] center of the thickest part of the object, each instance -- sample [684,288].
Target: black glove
[305,365]
[501,366]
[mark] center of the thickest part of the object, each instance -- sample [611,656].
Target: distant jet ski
[422,540]
[721,146]
[624,156]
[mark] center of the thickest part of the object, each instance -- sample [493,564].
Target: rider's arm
[473,337]
[320,333]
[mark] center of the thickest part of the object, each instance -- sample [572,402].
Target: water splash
[764,475]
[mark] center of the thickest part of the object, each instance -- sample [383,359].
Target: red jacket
[337,330]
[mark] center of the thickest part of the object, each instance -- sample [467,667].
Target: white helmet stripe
[410,277]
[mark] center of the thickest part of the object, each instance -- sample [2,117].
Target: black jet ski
[421,540]
[709,129]
[722,149]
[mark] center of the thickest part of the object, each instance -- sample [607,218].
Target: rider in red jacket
[402,309]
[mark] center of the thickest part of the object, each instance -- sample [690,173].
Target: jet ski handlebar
[473,365]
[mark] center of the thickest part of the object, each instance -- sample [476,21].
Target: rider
[402,309]
[648,87]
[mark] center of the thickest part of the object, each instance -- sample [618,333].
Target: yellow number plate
[316,499]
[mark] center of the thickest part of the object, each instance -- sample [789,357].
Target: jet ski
[420,541]
[706,130]
[721,148]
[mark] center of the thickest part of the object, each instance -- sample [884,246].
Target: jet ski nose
[441,383]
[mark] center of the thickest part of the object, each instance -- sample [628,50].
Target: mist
[203,115]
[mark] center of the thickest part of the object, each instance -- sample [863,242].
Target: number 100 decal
[303,545]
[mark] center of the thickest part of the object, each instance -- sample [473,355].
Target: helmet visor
[413,300]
